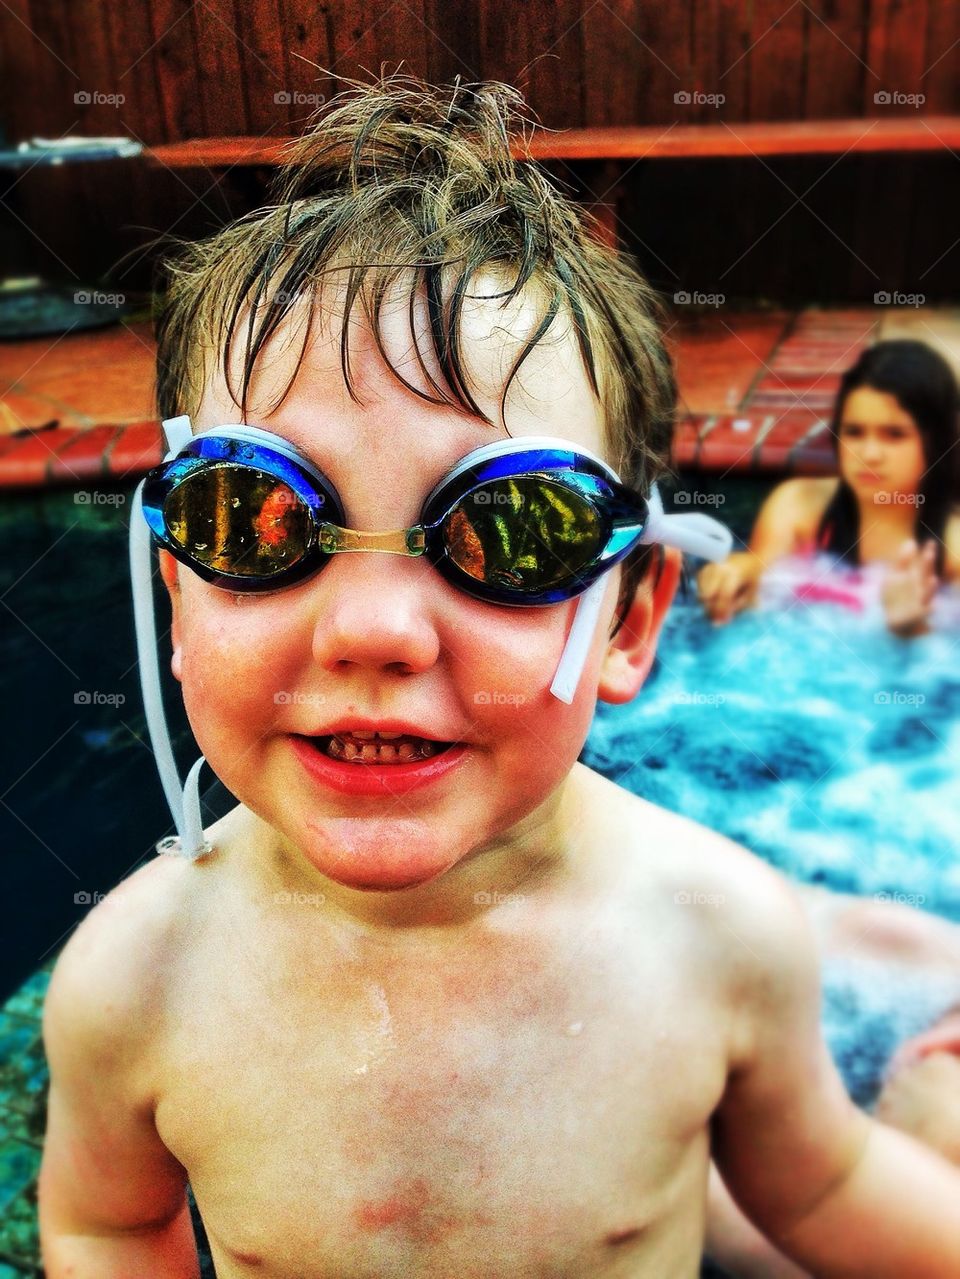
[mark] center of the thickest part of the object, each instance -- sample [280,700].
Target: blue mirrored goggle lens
[238,521]
[526,533]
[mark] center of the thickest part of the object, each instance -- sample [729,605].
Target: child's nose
[373,611]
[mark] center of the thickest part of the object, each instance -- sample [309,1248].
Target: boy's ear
[631,652]
[168,571]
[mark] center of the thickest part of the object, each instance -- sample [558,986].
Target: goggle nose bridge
[404,541]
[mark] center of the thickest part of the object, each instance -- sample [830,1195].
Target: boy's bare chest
[525,1122]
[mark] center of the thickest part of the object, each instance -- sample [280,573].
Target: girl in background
[886,531]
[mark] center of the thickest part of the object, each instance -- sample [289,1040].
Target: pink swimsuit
[818,577]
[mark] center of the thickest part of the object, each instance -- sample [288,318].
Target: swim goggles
[526,522]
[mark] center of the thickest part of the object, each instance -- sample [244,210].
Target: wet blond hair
[400,182]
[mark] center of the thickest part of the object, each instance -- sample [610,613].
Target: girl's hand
[727,588]
[909,588]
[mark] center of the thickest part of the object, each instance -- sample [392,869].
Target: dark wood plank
[777,60]
[264,66]
[369,35]
[837,72]
[19,251]
[610,80]
[56,69]
[175,57]
[135,73]
[896,52]
[60,243]
[719,44]
[453,41]
[667,88]
[222,85]
[541,54]
[552,79]
[940,81]
[308,44]
[19,52]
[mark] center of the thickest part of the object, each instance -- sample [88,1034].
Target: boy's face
[379,638]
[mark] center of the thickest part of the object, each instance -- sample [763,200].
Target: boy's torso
[530,1098]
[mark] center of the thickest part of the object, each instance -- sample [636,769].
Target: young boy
[436,1000]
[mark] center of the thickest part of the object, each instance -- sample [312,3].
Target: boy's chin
[378,854]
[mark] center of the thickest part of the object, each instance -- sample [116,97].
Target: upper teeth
[342,746]
[367,735]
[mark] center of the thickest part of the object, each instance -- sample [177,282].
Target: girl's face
[880,446]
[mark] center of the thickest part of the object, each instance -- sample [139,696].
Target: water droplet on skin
[575,1028]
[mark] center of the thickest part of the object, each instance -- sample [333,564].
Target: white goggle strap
[692,532]
[574,655]
[178,433]
[184,805]
[689,531]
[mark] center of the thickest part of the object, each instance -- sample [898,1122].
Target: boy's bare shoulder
[743,910]
[110,982]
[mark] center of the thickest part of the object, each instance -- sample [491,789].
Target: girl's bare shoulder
[790,515]
[807,495]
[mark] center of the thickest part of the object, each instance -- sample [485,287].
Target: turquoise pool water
[810,735]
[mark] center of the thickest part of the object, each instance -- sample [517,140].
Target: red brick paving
[753,386]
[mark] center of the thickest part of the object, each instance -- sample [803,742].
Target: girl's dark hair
[924,385]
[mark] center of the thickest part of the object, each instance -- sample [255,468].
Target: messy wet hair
[404,183]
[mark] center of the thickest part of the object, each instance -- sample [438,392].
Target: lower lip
[375,779]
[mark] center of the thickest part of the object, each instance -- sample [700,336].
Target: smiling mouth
[378,748]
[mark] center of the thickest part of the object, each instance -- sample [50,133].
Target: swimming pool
[821,742]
